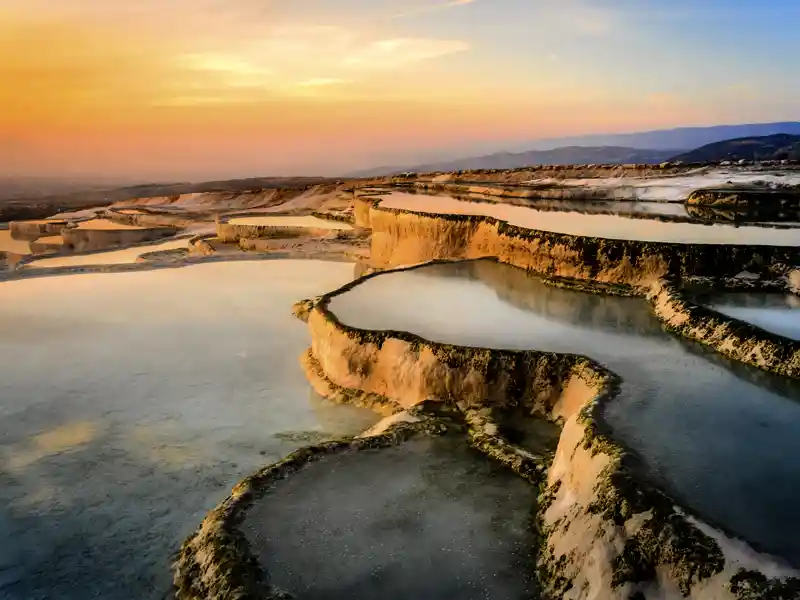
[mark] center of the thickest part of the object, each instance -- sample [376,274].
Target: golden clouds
[57,74]
[66,71]
[84,91]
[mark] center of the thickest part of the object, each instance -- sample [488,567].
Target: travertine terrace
[602,526]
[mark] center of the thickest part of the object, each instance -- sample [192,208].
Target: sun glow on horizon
[162,78]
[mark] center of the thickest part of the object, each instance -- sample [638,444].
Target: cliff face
[512,176]
[150,219]
[236,232]
[404,238]
[765,200]
[409,370]
[32,230]
[85,240]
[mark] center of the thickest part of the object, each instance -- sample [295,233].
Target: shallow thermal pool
[9,244]
[621,207]
[112,257]
[430,518]
[679,187]
[720,436]
[105,224]
[777,313]
[301,221]
[595,225]
[133,402]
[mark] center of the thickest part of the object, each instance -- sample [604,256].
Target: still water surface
[430,518]
[131,403]
[777,313]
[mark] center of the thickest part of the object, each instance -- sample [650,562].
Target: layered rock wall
[32,230]
[234,232]
[404,238]
[150,220]
[85,240]
[763,199]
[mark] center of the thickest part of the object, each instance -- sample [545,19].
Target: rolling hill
[568,155]
[771,147]
[664,139]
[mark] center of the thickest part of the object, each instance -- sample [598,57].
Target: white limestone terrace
[112,257]
[87,213]
[9,244]
[290,221]
[594,225]
[676,188]
[105,224]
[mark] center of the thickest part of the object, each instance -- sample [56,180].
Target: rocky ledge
[402,237]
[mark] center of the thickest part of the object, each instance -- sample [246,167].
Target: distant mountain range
[664,139]
[771,147]
[643,147]
[569,155]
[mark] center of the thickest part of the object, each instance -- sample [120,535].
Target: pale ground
[51,239]
[603,226]
[105,224]
[78,214]
[303,221]
[133,402]
[9,244]
[676,188]
[113,257]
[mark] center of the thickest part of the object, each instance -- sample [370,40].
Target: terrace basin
[720,437]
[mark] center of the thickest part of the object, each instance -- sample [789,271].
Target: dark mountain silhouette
[770,147]
[664,139]
[569,155]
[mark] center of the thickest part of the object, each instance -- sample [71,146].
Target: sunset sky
[201,89]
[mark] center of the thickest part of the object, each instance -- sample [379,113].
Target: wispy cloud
[395,52]
[237,71]
[322,82]
[431,8]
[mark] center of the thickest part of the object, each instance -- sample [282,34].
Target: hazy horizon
[213,89]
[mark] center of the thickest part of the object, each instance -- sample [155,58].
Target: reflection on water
[428,519]
[777,313]
[722,440]
[596,225]
[622,207]
[132,403]
[112,257]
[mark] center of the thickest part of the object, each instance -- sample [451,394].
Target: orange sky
[206,88]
